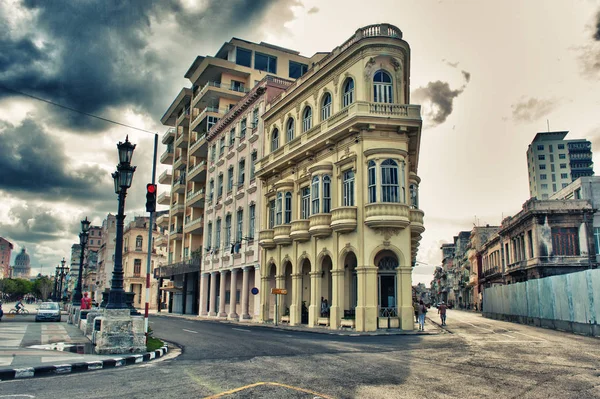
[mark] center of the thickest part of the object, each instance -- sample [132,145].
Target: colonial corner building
[311,182]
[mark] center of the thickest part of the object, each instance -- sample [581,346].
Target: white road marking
[190,331]
[241,329]
[530,336]
[511,341]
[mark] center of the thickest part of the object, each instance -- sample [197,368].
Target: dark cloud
[532,109]
[33,162]
[100,55]
[467,76]
[596,35]
[437,99]
[33,224]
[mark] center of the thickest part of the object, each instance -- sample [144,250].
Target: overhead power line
[74,110]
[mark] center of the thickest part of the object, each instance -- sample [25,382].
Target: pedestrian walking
[442,312]
[422,312]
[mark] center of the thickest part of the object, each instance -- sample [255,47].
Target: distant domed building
[22,267]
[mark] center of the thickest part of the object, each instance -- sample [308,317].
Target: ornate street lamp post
[54,296]
[63,272]
[83,238]
[122,179]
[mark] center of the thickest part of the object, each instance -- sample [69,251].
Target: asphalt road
[474,358]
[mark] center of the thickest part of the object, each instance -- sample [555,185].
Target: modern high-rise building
[554,162]
[6,248]
[334,208]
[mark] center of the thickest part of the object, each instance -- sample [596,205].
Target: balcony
[215,90]
[265,239]
[163,220]
[198,172]
[343,219]
[185,115]
[387,215]
[320,225]
[194,226]
[177,209]
[161,241]
[165,177]
[299,230]
[167,157]
[212,111]
[195,199]
[169,136]
[182,139]
[180,162]
[199,146]
[179,186]
[176,234]
[186,266]
[164,199]
[416,221]
[281,234]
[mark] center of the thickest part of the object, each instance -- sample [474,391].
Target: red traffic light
[151,188]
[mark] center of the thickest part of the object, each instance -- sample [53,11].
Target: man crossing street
[442,312]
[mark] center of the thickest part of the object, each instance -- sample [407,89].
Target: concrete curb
[346,333]
[45,371]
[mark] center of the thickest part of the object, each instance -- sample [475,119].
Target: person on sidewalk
[86,302]
[442,312]
[422,312]
[1,311]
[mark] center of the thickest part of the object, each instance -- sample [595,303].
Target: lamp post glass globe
[125,151]
[83,238]
[125,175]
[63,261]
[116,180]
[85,225]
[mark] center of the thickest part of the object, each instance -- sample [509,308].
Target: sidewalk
[430,329]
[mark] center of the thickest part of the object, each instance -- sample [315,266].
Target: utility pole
[150,229]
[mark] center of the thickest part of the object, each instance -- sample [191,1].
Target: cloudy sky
[489,75]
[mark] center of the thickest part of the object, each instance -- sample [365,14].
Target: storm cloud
[437,98]
[596,35]
[532,109]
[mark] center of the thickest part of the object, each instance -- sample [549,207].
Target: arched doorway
[306,291]
[387,262]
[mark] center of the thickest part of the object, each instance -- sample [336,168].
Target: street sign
[278,291]
[254,291]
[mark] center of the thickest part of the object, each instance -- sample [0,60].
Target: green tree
[42,286]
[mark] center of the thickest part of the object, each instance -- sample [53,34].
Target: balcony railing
[219,85]
[185,266]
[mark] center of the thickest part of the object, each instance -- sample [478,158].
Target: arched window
[138,242]
[326,106]
[275,140]
[279,209]
[288,207]
[382,87]
[306,119]
[372,182]
[348,92]
[326,194]
[315,195]
[290,130]
[389,181]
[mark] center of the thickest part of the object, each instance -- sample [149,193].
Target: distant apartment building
[90,262]
[106,255]
[554,162]
[6,248]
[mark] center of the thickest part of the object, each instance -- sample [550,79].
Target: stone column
[232,295]
[280,283]
[222,312]
[264,299]
[314,310]
[337,298]
[296,308]
[203,294]
[213,294]
[245,293]
[404,300]
[366,310]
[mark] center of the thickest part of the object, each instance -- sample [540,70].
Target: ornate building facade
[22,265]
[6,248]
[340,220]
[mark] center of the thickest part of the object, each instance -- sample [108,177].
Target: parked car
[48,311]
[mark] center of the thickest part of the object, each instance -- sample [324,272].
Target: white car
[48,311]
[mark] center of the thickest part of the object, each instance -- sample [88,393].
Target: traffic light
[150,197]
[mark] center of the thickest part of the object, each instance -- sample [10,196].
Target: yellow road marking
[220,395]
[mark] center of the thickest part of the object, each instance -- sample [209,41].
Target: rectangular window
[530,240]
[315,195]
[563,166]
[265,62]
[220,186]
[221,146]
[137,267]
[240,224]
[565,241]
[564,185]
[227,231]
[278,216]
[211,121]
[550,147]
[564,175]
[542,166]
[255,118]
[348,195]
[372,185]
[231,138]
[237,86]
[540,147]
[297,69]
[243,57]
[241,172]
[544,186]
[552,168]
[552,158]
[288,208]
[561,146]
[252,220]
[554,187]
[213,153]
[305,202]
[543,177]
[541,157]
[230,179]
[209,236]
[562,156]
[243,129]
[553,177]
[252,163]
[271,214]
[326,194]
